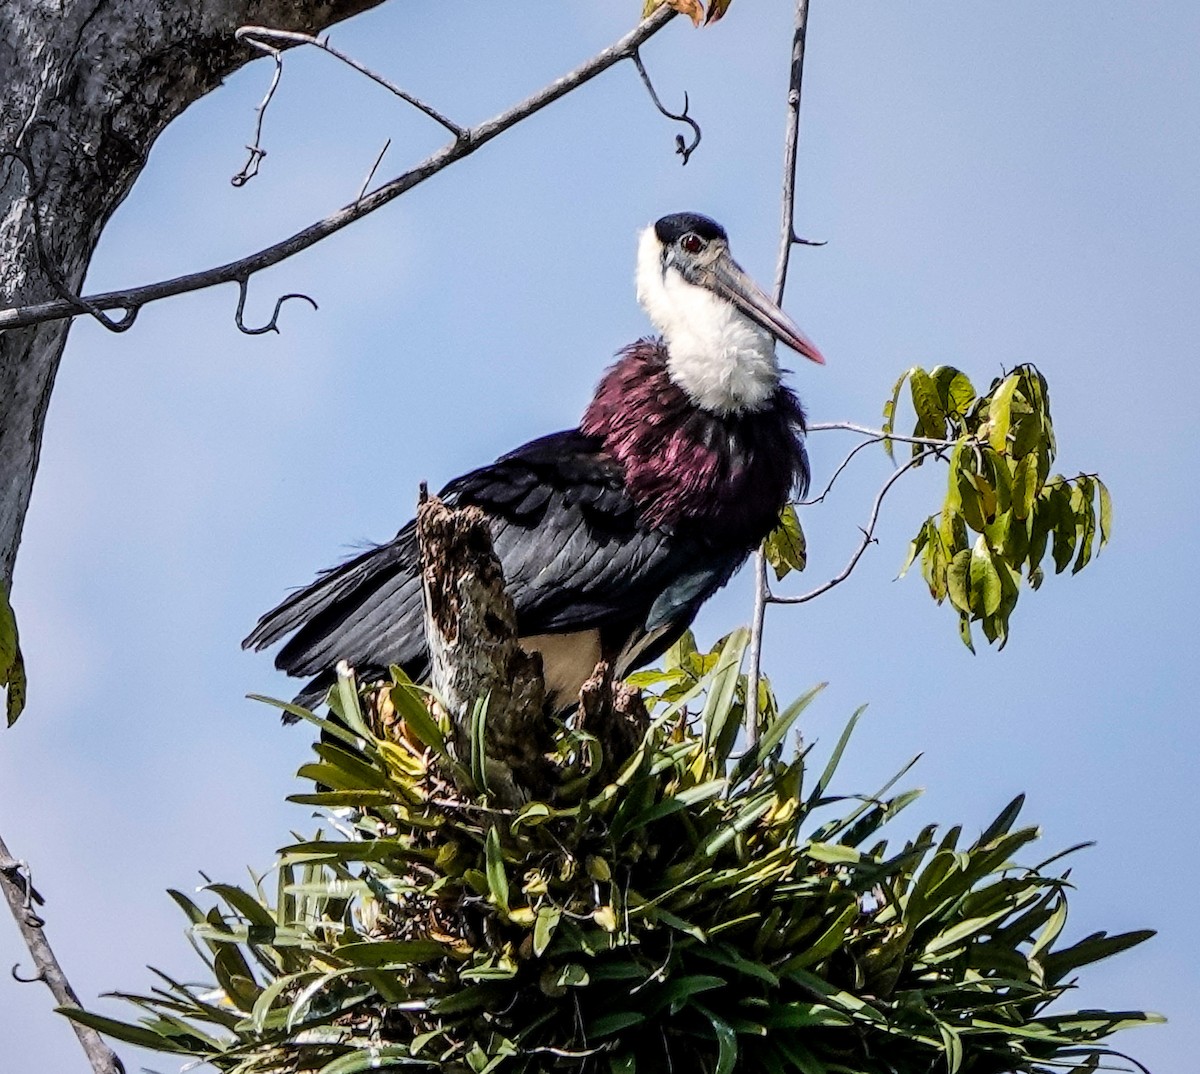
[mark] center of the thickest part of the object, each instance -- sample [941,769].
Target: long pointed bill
[732,284]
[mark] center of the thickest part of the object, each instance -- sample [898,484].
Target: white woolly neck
[723,360]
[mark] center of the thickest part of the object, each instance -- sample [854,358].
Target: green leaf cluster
[711,908]
[1004,509]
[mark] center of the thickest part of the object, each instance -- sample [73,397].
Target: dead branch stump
[471,630]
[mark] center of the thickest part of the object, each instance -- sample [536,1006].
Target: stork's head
[719,326]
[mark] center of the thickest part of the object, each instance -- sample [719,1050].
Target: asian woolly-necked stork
[612,534]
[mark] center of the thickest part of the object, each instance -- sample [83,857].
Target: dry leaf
[693,9]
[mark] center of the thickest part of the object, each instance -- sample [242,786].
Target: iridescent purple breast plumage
[730,473]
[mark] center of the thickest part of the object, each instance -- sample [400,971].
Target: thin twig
[868,538]
[250,168]
[878,434]
[260,37]
[371,174]
[787,239]
[623,49]
[19,893]
[681,147]
[813,501]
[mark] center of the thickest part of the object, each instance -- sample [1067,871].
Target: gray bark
[86,86]
[471,629]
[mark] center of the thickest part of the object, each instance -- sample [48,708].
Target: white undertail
[720,357]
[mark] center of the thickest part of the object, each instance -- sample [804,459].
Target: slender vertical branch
[18,891]
[787,239]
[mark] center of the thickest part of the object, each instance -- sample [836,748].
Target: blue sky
[997,184]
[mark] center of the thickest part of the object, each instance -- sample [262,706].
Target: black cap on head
[670,228]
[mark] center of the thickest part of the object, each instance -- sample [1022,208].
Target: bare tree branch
[787,239]
[19,893]
[475,137]
[260,37]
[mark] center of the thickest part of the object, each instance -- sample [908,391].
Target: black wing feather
[575,553]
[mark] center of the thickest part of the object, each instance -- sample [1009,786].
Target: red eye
[692,243]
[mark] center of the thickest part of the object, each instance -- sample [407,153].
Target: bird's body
[613,534]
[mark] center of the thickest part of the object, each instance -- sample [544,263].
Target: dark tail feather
[349,584]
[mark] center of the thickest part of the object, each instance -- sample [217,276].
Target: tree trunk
[87,86]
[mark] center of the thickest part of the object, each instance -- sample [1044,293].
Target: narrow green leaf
[376,1057]
[889,412]
[411,707]
[722,688]
[835,758]
[478,739]
[608,1024]
[727,1046]
[124,1031]
[773,735]
[497,878]
[376,953]
[1000,414]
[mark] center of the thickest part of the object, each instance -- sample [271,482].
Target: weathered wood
[87,86]
[471,630]
[615,714]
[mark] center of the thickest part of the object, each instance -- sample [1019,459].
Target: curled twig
[681,146]
[16,975]
[273,324]
[260,37]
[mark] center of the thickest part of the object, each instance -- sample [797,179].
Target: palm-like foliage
[703,911]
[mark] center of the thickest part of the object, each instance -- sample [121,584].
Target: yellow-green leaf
[930,415]
[12,664]
[1000,415]
[985,581]
[785,547]
[1105,512]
